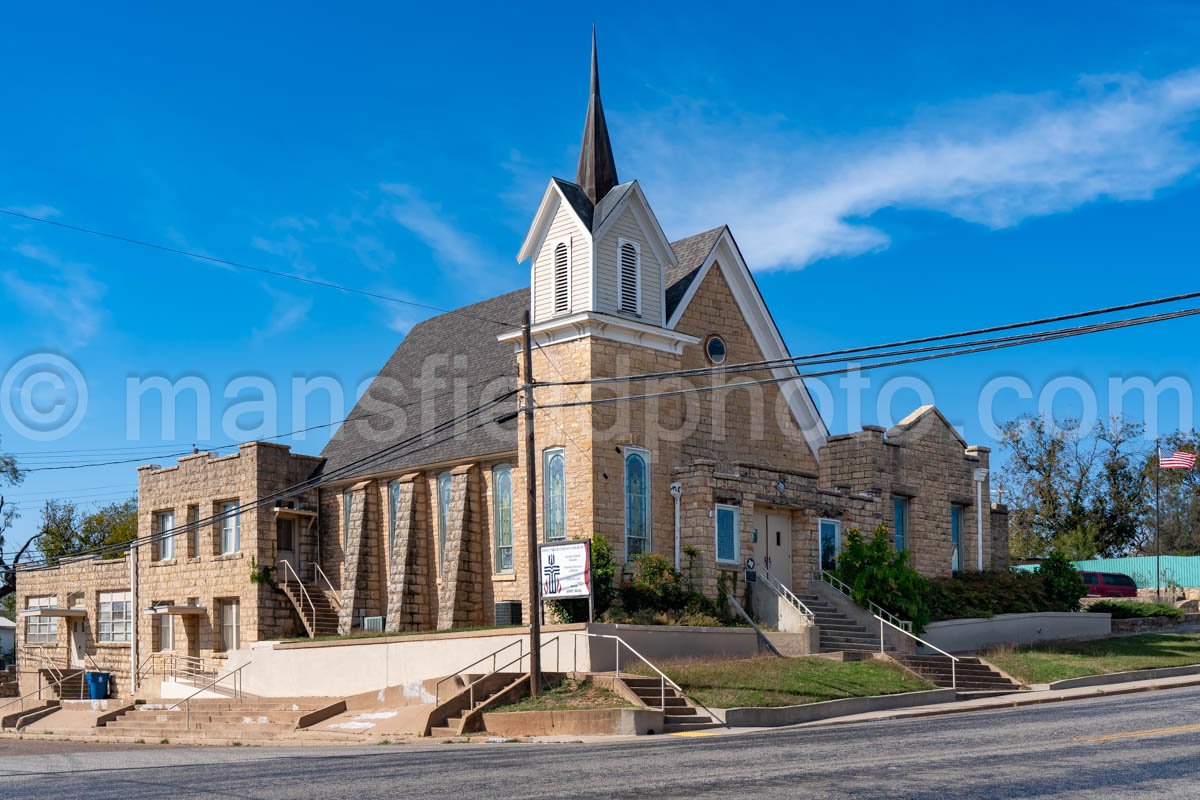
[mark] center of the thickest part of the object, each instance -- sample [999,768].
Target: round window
[714,348]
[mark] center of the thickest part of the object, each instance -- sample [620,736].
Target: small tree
[877,574]
[1063,585]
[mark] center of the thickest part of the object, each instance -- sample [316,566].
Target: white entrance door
[78,641]
[773,545]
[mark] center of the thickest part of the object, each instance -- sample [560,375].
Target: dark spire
[597,172]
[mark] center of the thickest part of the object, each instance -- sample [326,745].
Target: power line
[768,363]
[370,460]
[240,265]
[1032,338]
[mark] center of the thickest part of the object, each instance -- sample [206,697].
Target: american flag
[1177,460]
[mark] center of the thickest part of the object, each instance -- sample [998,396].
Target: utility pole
[535,594]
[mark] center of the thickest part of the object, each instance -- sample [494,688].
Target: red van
[1108,584]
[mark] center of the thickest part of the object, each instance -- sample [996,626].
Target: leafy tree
[878,574]
[67,531]
[1074,489]
[1063,585]
[10,475]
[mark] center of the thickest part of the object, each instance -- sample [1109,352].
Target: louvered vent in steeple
[630,278]
[562,279]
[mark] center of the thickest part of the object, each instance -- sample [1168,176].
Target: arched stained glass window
[443,517]
[637,502]
[502,502]
[554,485]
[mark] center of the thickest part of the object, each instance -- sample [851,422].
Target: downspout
[677,492]
[980,476]
[135,614]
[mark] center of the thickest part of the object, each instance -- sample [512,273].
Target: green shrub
[1131,609]
[985,594]
[1063,584]
[877,574]
[604,571]
[657,594]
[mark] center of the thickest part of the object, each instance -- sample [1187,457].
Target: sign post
[566,572]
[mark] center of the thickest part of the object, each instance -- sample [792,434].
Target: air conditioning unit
[372,624]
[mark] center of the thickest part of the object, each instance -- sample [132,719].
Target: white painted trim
[637,276]
[644,216]
[543,218]
[627,451]
[604,326]
[737,533]
[726,255]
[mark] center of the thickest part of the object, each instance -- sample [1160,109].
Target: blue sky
[888,172]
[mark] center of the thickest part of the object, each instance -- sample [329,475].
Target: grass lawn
[773,681]
[1055,662]
[570,696]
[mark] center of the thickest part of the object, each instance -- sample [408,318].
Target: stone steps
[969,674]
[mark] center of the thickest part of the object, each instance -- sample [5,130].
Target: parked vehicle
[1109,584]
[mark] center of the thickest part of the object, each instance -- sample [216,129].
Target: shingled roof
[445,366]
[451,363]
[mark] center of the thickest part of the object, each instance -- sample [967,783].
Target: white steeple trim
[604,326]
[551,199]
[728,258]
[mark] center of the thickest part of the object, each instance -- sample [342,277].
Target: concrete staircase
[460,713]
[316,611]
[679,713]
[219,719]
[72,686]
[839,633]
[974,676]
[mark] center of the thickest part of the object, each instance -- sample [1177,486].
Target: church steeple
[597,172]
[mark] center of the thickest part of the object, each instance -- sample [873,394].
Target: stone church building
[405,532]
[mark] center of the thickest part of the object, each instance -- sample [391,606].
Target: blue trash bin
[97,683]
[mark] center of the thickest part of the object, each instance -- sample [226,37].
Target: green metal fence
[1178,570]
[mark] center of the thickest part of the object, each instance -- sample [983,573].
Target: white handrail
[287,570]
[914,637]
[837,583]
[187,701]
[333,593]
[437,687]
[664,679]
[789,595]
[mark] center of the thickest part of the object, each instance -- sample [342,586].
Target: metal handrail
[187,701]
[664,679]
[320,573]
[287,569]
[787,594]
[502,667]
[168,663]
[437,687]
[828,577]
[38,692]
[919,640]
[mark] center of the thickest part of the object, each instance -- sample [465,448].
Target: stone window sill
[112,645]
[504,577]
[228,556]
[166,562]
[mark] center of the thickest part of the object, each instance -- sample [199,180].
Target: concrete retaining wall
[968,635]
[348,667]
[619,721]
[1148,624]
[1125,677]
[794,715]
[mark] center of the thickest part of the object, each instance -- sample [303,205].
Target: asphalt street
[1143,745]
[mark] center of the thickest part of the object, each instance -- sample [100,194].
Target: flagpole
[1157,523]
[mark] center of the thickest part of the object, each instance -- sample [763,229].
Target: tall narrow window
[630,280]
[347,507]
[728,543]
[637,502]
[554,488]
[562,278]
[164,522]
[900,512]
[230,624]
[394,515]
[166,632]
[956,517]
[831,543]
[502,502]
[231,527]
[444,493]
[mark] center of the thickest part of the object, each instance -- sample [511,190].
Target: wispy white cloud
[288,311]
[40,210]
[433,226]
[60,293]
[792,200]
